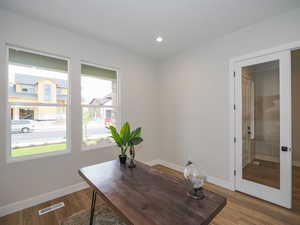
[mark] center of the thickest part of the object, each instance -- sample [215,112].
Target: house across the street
[35,89]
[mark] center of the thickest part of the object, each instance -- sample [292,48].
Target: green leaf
[135,141]
[125,133]
[136,132]
[116,136]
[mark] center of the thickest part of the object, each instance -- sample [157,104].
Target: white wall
[22,180]
[194,93]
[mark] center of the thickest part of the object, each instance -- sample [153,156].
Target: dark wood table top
[146,196]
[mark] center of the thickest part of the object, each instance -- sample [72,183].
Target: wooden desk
[146,196]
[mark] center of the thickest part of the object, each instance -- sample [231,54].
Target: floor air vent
[51,208]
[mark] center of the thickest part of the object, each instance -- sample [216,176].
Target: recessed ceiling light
[159,39]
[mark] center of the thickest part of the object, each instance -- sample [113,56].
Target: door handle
[284,148]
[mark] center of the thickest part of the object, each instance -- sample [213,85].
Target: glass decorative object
[132,155]
[195,178]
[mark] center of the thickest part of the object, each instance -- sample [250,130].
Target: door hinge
[234,107]
[234,172]
[234,139]
[234,74]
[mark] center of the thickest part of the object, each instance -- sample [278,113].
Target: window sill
[100,146]
[37,156]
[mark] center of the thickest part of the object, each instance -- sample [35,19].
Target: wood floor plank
[29,216]
[241,209]
[69,209]
[12,219]
[45,219]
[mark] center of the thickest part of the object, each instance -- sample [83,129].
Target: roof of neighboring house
[29,79]
[101,101]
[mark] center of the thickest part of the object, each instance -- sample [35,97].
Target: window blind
[36,60]
[97,72]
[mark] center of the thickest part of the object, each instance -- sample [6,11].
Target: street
[52,134]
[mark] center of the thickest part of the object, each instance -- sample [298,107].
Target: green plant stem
[123,150]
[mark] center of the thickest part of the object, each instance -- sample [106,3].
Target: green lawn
[89,142]
[38,149]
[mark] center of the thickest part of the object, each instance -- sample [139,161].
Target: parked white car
[24,126]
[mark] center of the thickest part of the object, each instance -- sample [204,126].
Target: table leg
[93,207]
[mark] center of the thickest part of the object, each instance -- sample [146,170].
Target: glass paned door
[263,129]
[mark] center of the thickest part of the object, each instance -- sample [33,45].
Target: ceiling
[134,24]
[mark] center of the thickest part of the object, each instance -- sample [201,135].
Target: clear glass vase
[195,178]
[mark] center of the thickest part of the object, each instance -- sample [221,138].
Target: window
[26,114]
[38,118]
[47,92]
[25,88]
[100,105]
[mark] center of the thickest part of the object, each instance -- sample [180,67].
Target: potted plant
[126,139]
[121,139]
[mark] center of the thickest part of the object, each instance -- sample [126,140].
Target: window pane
[98,88]
[36,85]
[261,123]
[25,88]
[47,92]
[37,129]
[95,123]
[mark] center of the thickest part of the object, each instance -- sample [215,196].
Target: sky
[95,88]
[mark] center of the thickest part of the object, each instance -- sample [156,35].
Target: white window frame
[9,157]
[117,107]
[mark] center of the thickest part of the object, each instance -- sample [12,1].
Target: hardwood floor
[296,189]
[266,173]
[240,210]
[74,202]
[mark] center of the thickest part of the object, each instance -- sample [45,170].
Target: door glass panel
[261,123]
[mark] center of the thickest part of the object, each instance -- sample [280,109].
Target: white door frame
[232,101]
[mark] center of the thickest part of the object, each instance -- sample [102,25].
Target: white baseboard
[153,162]
[170,165]
[17,206]
[214,180]
[23,204]
[220,182]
